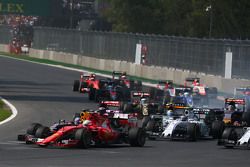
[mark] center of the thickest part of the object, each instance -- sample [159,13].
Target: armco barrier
[150,72]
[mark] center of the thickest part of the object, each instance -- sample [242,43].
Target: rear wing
[110,103]
[117,74]
[177,106]
[192,79]
[244,91]
[183,90]
[164,82]
[233,101]
[140,94]
[207,110]
[209,113]
[84,75]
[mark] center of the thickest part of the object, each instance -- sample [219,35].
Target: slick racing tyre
[246,117]
[150,125]
[137,137]
[145,121]
[42,132]
[127,108]
[192,131]
[217,129]
[229,134]
[76,85]
[92,93]
[84,138]
[32,128]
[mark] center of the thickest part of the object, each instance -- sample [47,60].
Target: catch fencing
[5,34]
[198,55]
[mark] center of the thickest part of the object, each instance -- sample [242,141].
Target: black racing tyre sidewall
[217,129]
[137,137]
[84,137]
[32,128]
[42,132]
[76,85]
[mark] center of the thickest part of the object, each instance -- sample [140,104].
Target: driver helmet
[92,77]
[77,121]
[186,94]
[102,110]
[231,108]
[143,101]
[170,113]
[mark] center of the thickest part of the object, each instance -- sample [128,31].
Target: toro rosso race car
[237,121]
[95,128]
[244,93]
[234,110]
[186,124]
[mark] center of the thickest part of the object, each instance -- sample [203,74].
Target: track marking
[13,110]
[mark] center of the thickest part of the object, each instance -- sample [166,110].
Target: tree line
[188,18]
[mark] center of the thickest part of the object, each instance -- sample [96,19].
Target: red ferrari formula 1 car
[86,81]
[95,128]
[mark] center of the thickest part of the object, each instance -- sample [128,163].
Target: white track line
[13,110]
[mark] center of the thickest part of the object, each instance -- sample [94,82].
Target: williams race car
[186,124]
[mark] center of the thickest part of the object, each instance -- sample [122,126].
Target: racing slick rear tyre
[193,132]
[145,121]
[92,93]
[137,137]
[246,117]
[32,128]
[248,143]
[127,108]
[76,116]
[42,132]
[217,129]
[76,85]
[84,137]
[150,125]
[138,85]
[229,134]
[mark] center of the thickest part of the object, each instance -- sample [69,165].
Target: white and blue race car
[187,124]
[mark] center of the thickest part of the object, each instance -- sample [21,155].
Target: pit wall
[150,72]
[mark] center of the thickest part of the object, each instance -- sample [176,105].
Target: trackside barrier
[149,72]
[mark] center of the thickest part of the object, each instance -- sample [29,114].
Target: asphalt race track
[44,94]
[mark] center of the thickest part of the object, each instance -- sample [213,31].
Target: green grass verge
[4,111]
